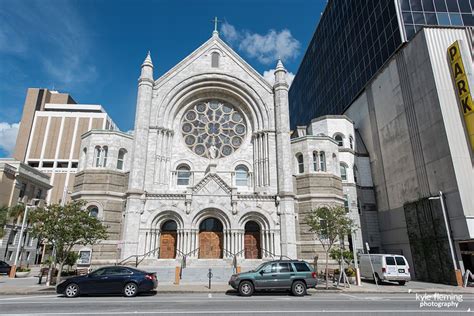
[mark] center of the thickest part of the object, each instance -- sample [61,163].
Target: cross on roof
[215,20]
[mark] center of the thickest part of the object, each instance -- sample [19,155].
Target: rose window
[213,129]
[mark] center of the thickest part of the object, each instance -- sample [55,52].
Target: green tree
[9,214]
[65,227]
[330,224]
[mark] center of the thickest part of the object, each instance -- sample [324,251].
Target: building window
[39,193]
[215,60]
[343,172]
[184,173]
[339,140]
[351,142]
[22,190]
[322,161]
[300,161]
[93,211]
[97,156]
[241,176]
[105,152]
[346,203]
[315,160]
[355,173]
[121,158]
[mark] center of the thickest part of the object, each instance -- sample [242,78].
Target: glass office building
[353,40]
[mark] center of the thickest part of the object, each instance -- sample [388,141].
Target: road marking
[26,297]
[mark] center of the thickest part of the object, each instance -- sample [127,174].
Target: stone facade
[211,164]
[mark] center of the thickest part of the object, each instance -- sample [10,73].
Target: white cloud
[266,48]
[8,134]
[270,76]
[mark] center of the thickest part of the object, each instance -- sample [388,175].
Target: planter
[22,274]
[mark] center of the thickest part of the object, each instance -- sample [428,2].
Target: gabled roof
[214,41]
[213,183]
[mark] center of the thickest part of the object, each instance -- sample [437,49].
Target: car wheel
[245,288]
[401,282]
[72,290]
[130,289]
[298,288]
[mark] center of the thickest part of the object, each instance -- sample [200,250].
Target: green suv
[292,275]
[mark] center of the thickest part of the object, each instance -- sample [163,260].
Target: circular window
[213,129]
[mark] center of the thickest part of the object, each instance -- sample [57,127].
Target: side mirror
[261,272]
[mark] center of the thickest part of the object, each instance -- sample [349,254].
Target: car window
[99,272]
[390,261]
[284,267]
[117,271]
[400,261]
[268,268]
[301,267]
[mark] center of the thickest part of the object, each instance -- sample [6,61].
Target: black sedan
[109,280]
[4,267]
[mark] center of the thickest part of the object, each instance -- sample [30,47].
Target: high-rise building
[353,40]
[50,135]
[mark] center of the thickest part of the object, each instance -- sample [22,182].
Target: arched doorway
[168,240]
[252,241]
[210,239]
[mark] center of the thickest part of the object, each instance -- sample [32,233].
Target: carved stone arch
[157,218]
[183,93]
[211,212]
[259,218]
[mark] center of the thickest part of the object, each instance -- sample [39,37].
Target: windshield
[260,266]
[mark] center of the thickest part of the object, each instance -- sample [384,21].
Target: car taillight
[383,270]
[313,275]
[150,277]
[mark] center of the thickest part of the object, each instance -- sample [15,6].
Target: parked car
[292,275]
[4,267]
[109,280]
[386,267]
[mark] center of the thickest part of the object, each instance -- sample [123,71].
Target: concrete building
[353,40]
[20,184]
[50,134]
[411,122]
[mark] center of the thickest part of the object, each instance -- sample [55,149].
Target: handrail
[183,260]
[137,256]
[234,257]
[272,255]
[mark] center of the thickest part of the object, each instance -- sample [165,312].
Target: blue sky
[93,49]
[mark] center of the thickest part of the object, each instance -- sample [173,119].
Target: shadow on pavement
[151,293]
[264,293]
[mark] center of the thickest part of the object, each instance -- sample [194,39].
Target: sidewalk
[29,286]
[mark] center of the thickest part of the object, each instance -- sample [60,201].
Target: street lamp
[440,197]
[25,215]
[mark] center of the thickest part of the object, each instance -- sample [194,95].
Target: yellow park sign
[463,92]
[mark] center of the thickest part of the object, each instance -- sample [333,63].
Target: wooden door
[168,245]
[252,245]
[210,245]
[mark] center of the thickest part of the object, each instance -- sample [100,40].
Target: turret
[284,163]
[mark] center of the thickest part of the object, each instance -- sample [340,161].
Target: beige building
[50,135]
[20,183]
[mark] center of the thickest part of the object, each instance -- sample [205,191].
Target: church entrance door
[210,239]
[168,240]
[252,241]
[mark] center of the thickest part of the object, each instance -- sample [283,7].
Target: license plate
[401,270]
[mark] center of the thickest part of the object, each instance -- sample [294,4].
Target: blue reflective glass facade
[353,40]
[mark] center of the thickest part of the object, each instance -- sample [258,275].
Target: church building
[212,170]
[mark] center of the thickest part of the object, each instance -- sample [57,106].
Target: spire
[280,74]
[147,61]
[215,32]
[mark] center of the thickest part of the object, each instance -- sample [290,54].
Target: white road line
[27,297]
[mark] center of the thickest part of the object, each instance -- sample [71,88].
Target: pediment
[212,185]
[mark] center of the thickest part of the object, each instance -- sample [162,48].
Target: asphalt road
[228,304]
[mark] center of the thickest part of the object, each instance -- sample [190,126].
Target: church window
[97,156]
[343,172]
[93,211]
[213,129]
[215,60]
[105,151]
[355,173]
[351,142]
[241,175]
[322,161]
[339,140]
[315,160]
[346,203]
[121,158]
[183,175]
[299,159]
